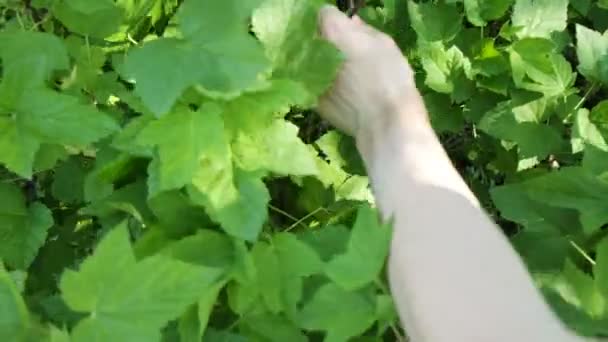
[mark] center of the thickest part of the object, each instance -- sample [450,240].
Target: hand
[369,93]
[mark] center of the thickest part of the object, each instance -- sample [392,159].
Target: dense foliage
[164,178]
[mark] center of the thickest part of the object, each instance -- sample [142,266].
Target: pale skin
[452,272]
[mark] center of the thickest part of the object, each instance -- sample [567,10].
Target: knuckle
[386,40]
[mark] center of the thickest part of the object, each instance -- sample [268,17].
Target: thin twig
[88,45]
[385,290]
[306,217]
[282,212]
[582,252]
[130,38]
[584,98]
[19,20]
[10,180]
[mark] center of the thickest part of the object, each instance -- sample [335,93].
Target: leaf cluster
[163,177]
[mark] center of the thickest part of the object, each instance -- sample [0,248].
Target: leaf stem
[88,44]
[385,290]
[282,212]
[582,252]
[19,20]
[306,217]
[130,38]
[10,180]
[586,96]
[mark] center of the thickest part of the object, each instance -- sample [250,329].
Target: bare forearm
[454,275]
[405,149]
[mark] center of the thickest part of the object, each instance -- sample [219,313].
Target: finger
[357,20]
[334,24]
[362,25]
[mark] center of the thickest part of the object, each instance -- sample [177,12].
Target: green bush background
[164,177]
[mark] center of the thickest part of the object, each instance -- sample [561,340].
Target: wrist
[400,122]
[406,151]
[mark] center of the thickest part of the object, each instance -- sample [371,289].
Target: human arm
[453,274]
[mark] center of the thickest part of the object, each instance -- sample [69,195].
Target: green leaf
[23,50]
[516,204]
[533,139]
[595,161]
[600,270]
[126,139]
[268,276]
[110,165]
[68,184]
[444,115]
[215,181]
[177,213]
[23,229]
[57,335]
[216,54]
[296,260]
[223,336]
[447,70]
[341,151]
[241,216]
[539,18]
[48,155]
[62,119]
[599,116]
[98,19]
[366,254]
[255,111]
[289,31]
[244,297]
[296,257]
[589,298]
[592,52]
[31,114]
[386,312]
[480,11]
[88,62]
[14,317]
[342,314]
[577,320]
[205,307]
[17,149]
[182,138]
[544,248]
[19,278]
[188,326]
[435,21]
[572,188]
[584,132]
[327,242]
[128,201]
[270,148]
[272,328]
[279,270]
[130,300]
[536,67]
[582,6]
[206,248]
[45,116]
